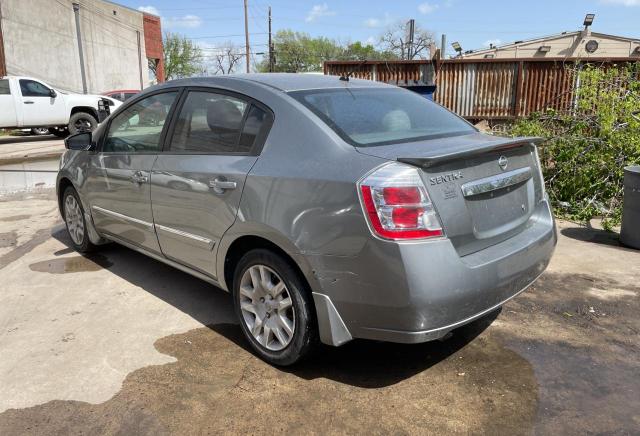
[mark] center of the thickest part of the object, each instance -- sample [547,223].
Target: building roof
[549,38]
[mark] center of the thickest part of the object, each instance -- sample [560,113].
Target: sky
[474,24]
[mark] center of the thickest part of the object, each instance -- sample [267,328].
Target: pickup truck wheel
[73,214]
[82,122]
[274,307]
[40,131]
[60,132]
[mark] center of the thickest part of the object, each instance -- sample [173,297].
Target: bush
[585,150]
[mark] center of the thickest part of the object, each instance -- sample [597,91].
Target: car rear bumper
[417,292]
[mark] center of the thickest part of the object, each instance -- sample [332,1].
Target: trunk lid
[484,188]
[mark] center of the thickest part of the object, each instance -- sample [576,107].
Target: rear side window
[209,123]
[255,128]
[31,88]
[4,87]
[379,116]
[128,95]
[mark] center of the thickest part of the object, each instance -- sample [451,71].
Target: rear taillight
[397,204]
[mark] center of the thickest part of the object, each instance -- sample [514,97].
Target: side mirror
[53,93]
[79,141]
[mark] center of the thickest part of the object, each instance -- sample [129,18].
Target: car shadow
[372,364]
[597,236]
[361,363]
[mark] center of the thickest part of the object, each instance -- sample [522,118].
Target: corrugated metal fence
[401,73]
[482,88]
[504,89]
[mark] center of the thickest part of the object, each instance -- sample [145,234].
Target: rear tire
[82,122]
[73,215]
[273,305]
[39,131]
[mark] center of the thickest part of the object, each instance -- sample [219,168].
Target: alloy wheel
[267,307]
[73,218]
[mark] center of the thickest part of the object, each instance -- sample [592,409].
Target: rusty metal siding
[395,72]
[477,90]
[546,86]
[360,72]
[504,89]
[484,88]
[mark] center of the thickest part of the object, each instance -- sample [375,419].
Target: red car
[122,94]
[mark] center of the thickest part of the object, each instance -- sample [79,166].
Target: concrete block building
[85,46]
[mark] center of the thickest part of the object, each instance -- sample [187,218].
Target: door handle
[139,177]
[29,102]
[220,185]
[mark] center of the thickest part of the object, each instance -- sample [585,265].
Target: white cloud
[149,10]
[318,11]
[370,41]
[378,22]
[495,42]
[427,8]
[622,2]
[372,22]
[188,21]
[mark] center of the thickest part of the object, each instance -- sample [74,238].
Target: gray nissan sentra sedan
[330,209]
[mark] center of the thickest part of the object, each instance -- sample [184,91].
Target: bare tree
[396,40]
[226,58]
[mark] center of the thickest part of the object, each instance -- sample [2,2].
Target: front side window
[138,128]
[379,116]
[4,87]
[31,88]
[209,123]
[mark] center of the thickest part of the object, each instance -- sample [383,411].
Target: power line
[226,36]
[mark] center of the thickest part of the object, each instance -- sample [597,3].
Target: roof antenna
[345,77]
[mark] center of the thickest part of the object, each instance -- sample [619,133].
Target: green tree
[299,52]
[182,58]
[587,147]
[358,52]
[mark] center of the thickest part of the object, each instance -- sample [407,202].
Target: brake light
[397,204]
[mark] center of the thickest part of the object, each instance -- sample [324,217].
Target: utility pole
[270,45]
[76,12]
[443,46]
[246,33]
[412,28]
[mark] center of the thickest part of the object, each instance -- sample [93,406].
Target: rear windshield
[367,117]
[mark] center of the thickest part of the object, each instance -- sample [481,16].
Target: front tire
[73,215]
[273,304]
[82,122]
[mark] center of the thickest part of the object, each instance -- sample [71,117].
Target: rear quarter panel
[301,194]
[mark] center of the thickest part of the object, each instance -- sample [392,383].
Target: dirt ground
[117,343]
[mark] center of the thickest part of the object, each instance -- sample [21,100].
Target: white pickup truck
[31,103]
